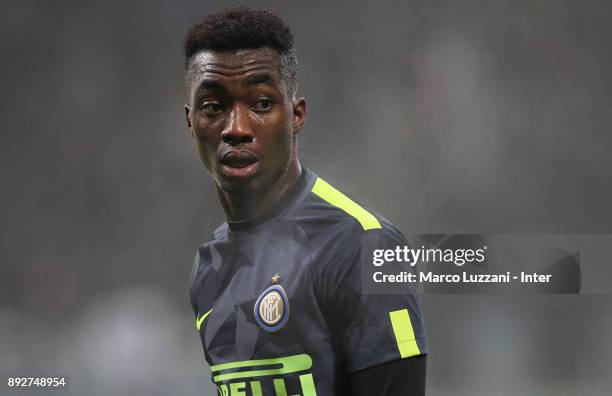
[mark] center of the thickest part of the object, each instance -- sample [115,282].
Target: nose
[238,129]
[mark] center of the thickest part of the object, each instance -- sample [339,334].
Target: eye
[264,104]
[211,109]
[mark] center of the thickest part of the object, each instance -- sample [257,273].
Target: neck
[242,207]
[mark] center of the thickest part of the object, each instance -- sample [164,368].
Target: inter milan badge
[272,309]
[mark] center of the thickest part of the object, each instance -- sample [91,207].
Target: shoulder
[205,252]
[326,212]
[338,225]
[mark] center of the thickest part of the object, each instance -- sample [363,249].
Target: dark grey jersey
[278,300]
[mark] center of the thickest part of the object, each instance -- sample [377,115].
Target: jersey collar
[285,203]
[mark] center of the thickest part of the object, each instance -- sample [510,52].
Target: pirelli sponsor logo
[253,377]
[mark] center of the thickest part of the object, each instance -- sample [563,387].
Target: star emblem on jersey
[275,278]
[272,309]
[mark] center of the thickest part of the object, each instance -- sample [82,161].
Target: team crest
[272,309]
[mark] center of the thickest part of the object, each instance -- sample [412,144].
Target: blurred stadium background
[445,116]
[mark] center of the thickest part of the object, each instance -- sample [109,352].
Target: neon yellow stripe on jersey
[404,334]
[327,192]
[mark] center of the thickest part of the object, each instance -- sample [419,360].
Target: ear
[188,119]
[299,114]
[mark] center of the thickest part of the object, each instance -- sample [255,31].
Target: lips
[238,159]
[238,164]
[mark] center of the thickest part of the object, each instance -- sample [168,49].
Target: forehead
[211,64]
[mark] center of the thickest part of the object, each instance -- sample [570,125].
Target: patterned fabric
[278,300]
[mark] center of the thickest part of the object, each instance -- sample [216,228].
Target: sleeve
[373,329]
[406,377]
[192,280]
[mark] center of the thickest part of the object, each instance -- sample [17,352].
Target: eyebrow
[252,79]
[209,84]
[258,78]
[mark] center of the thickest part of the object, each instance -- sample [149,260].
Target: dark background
[446,116]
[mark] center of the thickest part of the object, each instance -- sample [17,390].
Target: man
[277,291]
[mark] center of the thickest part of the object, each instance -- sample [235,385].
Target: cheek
[207,141]
[289,135]
[204,150]
[282,147]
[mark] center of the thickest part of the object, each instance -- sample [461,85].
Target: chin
[238,186]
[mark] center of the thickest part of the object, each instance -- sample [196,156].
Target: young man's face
[242,118]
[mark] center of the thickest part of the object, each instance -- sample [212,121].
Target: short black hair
[236,28]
